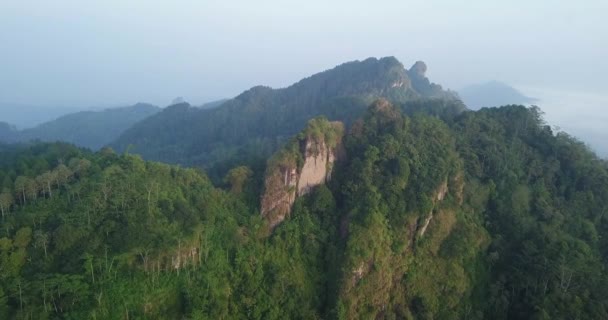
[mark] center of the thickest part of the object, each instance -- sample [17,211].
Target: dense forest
[433,213]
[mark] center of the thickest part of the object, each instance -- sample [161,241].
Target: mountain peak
[418,69]
[368,77]
[424,87]
[389,61]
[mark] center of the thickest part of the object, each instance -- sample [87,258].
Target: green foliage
[120,237]
[434,213]
[545,256]
[320,130]
[525,241]
[396,167]
[237,178]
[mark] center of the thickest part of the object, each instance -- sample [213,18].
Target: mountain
[409,206]
[90,129]
[411,211]
[492,94]
[27,116]
[258,121]
[8,132]
[490,216]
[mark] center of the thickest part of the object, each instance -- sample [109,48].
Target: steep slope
[304,163]
[255,123]
[479,219]
[400,180]
[90,129]
[467,218]
[431,213]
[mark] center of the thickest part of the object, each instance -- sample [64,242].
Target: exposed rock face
[440,194]
[292,175]
[419,69]
[361,271]
[279,194]
[318,162]
[455,186]
[399,84]
[422,85]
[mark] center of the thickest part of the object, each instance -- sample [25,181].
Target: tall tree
[237,177]
[6,201]
[20,187]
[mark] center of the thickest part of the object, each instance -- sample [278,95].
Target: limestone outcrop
[455,186]
[306,162]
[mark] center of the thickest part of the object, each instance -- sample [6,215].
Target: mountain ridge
[257,121]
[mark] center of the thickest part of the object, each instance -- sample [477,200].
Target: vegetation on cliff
[434,213]
[303,163]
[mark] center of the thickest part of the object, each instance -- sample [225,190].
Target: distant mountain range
[256,122]
[24,116]
[90,129]
[492,94]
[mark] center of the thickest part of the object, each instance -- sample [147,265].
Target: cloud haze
[121,51]
[580,114]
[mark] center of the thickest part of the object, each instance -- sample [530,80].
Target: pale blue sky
[115,52]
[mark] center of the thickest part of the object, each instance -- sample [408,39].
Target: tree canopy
[435,213]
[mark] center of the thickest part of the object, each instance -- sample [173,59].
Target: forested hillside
[255,123]
[90,129]
[493,217]
[432,212]
[8,132]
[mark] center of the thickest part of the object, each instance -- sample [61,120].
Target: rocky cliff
[423,86]
[307,161]
[318,163]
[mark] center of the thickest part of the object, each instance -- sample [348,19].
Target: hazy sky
[113,52]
